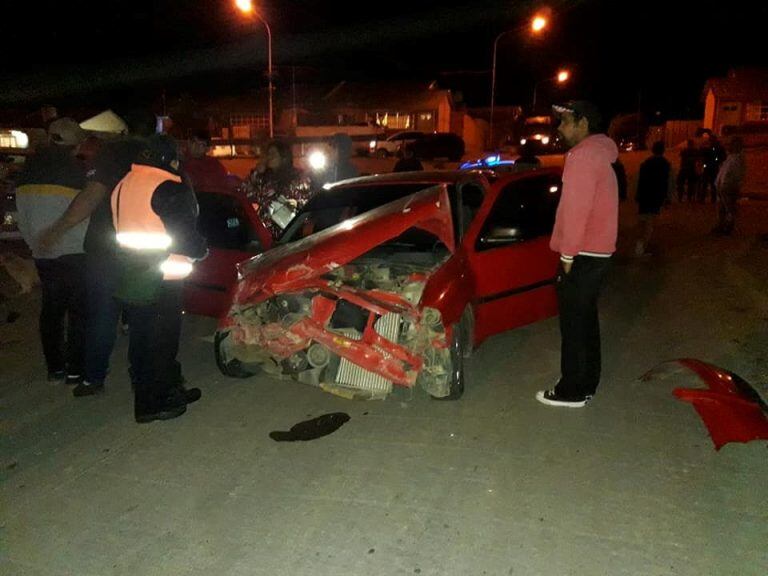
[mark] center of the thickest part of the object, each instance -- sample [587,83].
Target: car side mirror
[501,235]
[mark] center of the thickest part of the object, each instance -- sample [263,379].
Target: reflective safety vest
[138,228]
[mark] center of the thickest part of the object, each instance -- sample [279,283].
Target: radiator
[353,376]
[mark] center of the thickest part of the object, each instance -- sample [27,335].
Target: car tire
[229,366]
[382,153]
[456,382]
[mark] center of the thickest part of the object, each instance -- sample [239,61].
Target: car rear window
[223,221]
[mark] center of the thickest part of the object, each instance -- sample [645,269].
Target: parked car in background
[439,145]
[496,164]
[10,167]
[541,134]
[383,148]
[393,280]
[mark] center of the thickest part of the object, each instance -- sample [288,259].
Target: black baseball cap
[581,109]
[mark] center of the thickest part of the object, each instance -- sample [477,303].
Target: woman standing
[276,188]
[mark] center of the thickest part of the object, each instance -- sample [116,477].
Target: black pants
[63,313]
[577,294]
[727,210]
[154,333]
[687,182]
[103,310]
[708,185]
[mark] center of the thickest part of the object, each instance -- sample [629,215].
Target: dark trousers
[577,294]
[154,333]
[63,313]
[687,182]
[103,314]
[727,210]
[708,186]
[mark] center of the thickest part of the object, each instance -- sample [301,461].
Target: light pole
[562,77]
[538,23]
[246,7]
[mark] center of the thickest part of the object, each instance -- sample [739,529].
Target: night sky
[621,52]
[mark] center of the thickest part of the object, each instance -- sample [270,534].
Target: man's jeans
[103,314]
[63,299]
[577,294]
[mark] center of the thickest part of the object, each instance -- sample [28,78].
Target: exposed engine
[355,331]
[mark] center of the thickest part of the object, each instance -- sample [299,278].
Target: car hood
[290,266]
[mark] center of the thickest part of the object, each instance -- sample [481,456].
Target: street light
[246,7]
[538,24]
[561,78]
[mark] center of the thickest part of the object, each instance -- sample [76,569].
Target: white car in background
[390,146]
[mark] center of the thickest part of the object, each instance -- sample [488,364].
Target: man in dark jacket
[340,165]
[408,162]
[653,187]
[155,212]
[688,176]
[49,181]
[112,162]
[713,154]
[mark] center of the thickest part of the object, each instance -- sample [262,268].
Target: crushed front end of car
[333,313]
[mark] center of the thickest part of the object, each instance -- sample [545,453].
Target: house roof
[385,95]
[740,84]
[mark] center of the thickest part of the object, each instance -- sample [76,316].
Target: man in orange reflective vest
[155,213]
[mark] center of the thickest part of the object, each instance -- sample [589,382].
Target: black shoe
[191,395]
[73,379]
[57,376]
[170,408]
[551,398]
[87,389]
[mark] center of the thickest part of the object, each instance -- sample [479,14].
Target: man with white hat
[46,186]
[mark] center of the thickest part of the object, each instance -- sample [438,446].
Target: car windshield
[331,207]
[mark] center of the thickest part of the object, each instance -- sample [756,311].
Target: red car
[394,279]
[234,233]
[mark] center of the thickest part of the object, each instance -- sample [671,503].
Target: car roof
[428,177]
[439,177]
[401,132]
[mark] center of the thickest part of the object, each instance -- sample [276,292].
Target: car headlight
[372,145]
[545,140]
[318,160]
[523,141]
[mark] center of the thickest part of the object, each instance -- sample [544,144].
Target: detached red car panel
[393,279]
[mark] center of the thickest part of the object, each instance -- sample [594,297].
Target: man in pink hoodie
[585,237]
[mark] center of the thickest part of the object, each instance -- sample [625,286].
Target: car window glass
[223,222]
[471,200]
[330,207]
[525,209]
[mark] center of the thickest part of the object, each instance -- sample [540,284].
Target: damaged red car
[392,280]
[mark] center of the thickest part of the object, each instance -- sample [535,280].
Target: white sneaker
[550,398]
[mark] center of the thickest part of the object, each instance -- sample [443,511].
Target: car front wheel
[228,365]
[457,353]
[382,153]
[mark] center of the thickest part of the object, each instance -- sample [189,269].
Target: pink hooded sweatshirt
[587,218]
